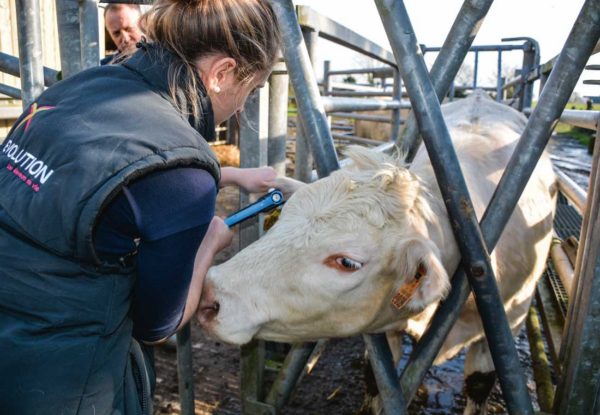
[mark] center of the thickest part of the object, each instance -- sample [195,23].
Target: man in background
[121,21]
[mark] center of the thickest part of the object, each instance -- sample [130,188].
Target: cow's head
[343,251]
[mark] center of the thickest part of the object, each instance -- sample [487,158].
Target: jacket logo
[34,109]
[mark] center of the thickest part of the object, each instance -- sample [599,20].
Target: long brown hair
[245,30]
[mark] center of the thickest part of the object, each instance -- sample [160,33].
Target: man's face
[122,25]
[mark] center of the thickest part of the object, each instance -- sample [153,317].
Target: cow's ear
[422,278]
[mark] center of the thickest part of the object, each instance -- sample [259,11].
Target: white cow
[349,246]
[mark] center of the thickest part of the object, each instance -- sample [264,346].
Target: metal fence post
[90,43]
[30,50]
[278,117]
[304,160]
[185,371]
[67,17]
[254,132]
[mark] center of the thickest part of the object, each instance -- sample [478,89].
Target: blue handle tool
[269,201]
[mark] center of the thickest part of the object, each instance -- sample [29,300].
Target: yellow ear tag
[271,219]
[406,291]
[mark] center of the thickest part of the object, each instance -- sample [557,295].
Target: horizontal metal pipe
[10,91]
[480,48]
[581,118]
[383,71]
[354,87]
[336,104]
[361,93]
[10,64]
[356,139]
[571,190]
[361,117]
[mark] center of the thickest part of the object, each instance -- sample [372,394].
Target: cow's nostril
[209,311]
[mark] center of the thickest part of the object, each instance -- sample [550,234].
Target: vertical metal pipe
[552,101]
[30,50]
[90,44]
[254,132]
[475,69]
[397,96]
[67,17]
[380,358]
[303,159]
[458,204]
[326,76]
[185,371]
[499,79]
[278,104]
[448,62]
[310,108]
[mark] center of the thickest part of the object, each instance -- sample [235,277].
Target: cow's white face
[330,267]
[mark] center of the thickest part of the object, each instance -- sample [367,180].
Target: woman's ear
[216,71]
[422,278]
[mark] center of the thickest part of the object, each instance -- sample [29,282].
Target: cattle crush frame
[78,33]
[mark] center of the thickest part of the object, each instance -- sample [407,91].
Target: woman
[107,204]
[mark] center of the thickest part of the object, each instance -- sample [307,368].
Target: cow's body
[300,282]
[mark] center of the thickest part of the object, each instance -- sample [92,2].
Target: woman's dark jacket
[65,333]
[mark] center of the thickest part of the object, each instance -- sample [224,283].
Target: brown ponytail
[245,30]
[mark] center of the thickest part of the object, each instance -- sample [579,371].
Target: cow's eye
[343,263]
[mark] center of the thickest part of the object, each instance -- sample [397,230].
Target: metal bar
[337,33]
[304,160]
[480,48]
[10,91]
[290,372]
[475,69]
[531,60]
[10,64]
[571,190]
[499,79]
[253,153]
[552,101]
[539,362]
[396,96]
[90,44]
[278,102]
[326,78]
[361,93]
[30,50]
[448,62]
[458,204]
[356,139]
[581,118]
[67,17]
[362,117]
[380,358]
[384,71]
[333,104]
[306,91]
[562,265]
[185,371]
[579,388]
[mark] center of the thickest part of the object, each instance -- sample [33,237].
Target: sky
[547,21]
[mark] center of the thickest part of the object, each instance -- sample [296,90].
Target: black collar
[152,61]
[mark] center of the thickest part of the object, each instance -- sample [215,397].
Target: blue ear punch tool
[269,201]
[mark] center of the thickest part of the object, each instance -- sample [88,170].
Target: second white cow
[370,248]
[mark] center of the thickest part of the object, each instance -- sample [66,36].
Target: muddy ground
[335,386]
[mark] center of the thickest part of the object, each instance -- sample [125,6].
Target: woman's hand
[218,236]
[252,180]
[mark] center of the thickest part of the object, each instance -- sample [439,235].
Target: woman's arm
[252,180]
[218,236]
